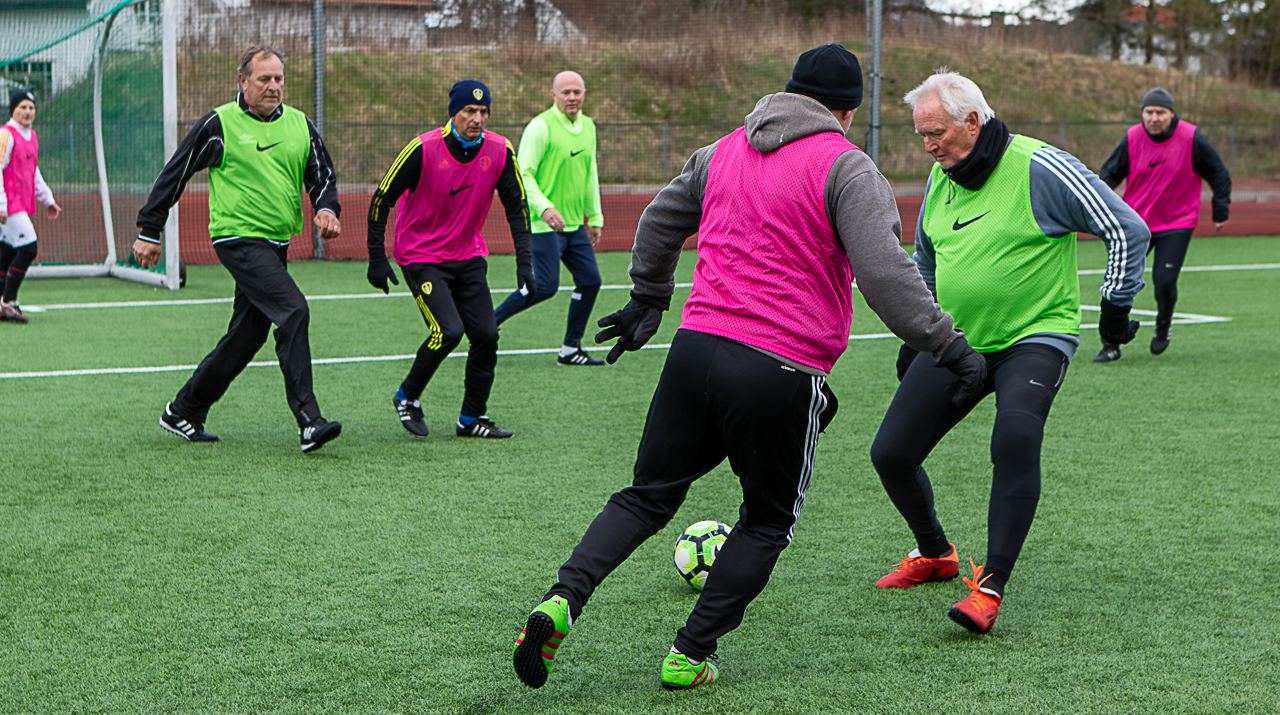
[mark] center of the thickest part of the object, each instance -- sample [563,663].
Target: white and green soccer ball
[696,551]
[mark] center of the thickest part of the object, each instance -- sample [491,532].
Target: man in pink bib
[1164,159]
[787,212]
[442,184]
[21,186]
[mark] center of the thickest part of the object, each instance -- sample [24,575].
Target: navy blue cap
[468,91]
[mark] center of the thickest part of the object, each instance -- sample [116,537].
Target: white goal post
[111,264]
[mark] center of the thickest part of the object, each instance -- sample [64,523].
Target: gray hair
[246,57]
[958,94]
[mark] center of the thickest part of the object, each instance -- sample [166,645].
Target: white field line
[363,296]
[1179,319]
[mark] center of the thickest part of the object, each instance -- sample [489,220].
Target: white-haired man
[996,242]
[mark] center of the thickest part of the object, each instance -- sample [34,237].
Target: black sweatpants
[265,295]
[454,300]
[716,398]
[1025,378]
[1170,248]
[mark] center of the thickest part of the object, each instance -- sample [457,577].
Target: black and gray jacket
[202,149]
[859,204]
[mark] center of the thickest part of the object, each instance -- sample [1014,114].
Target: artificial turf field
[388,574]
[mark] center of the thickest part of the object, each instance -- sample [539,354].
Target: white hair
[958,94]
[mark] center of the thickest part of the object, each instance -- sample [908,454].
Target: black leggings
[1170,249]
[1025,378]
[13,268]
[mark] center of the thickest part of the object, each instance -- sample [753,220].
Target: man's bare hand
[553,219]
[4,216]
[328,225]
[1217,225]
[593,232]
[52,211]
[147,253]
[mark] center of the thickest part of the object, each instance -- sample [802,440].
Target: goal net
[106,119]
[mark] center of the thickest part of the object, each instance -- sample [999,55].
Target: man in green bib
[260,154]
[557,160]
[996,243]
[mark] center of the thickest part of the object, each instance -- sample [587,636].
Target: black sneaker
[1160,341]
[578,357]
[12,313]
[317,433]
[411,416]
[482,427]
[1109,353]
[186,429]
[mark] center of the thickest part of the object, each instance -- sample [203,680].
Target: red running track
[77,236]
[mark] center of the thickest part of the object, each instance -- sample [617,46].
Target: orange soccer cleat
[916,569]
[978,611]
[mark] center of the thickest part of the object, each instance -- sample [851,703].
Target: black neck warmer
[1167,134]
[972,171]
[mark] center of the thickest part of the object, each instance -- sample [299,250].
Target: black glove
[906,354]
[379,272]
[524,282]
[633,325]
[969,366]
[1114,326]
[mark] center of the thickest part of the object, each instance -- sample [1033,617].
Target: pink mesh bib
[20,174]
[1162,187]
[771,272]
[440,219]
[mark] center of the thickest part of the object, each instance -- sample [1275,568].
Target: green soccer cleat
[535,649]
[679,674]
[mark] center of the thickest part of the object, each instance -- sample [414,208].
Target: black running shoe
[411,416]
[580,357]
[186,429]
[482,427]
[12,313]
[317,433]
[1109,353]
[1160,341]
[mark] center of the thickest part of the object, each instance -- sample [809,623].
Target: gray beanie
[1158,97]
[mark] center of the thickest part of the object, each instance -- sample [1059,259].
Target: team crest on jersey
[484,163]
[477,93]
[426,288]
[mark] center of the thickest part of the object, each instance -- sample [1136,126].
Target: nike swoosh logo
[1033,382]
[575,153]
[455,192]
[1151,164]
[264,148]
[956,226]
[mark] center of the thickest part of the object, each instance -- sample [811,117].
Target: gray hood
[782,118]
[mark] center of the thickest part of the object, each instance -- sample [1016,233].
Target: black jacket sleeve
[404,175]
[511,192]
[201,149]
[1206,162]
[1116,168]
[319,178]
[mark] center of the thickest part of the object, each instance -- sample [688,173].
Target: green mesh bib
[257,191]
[997,273]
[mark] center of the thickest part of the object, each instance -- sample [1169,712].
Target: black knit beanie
[16,98]
[830,74]
[1158,97]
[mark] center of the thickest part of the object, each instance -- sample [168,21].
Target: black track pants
[454,300]
[1025,378]
[265,295]
[716,398]
[1170,248]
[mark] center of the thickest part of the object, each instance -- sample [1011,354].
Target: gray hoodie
[859,204]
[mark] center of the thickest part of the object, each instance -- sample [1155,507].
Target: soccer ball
[696,550]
